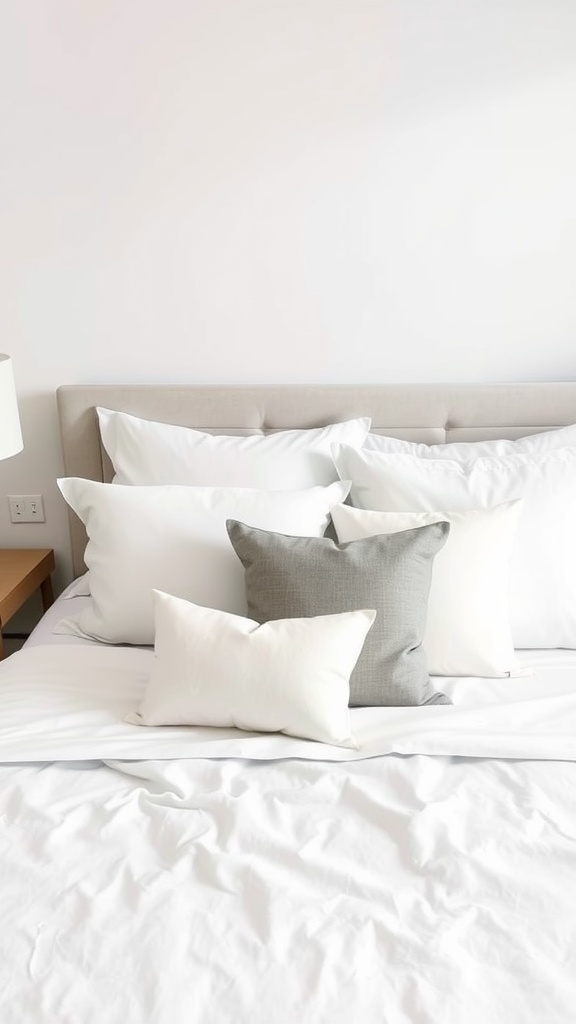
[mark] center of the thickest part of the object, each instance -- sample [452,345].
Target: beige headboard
[421,412]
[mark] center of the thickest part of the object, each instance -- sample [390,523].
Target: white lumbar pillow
[146,452]
[465,451]
[543,574]
[468,620]
[289,675]
[174,539]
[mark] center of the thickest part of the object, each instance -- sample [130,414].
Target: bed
[416,869]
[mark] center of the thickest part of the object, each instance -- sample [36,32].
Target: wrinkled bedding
[419,890]
[175,876]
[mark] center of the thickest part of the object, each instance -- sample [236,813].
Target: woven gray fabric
[293,577]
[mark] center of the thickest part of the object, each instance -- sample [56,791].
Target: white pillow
[80,587]
[464,451]
[174,539]
[468,623]
[290,675]
[543,577]
[145,452]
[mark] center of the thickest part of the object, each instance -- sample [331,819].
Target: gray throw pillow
[295,577]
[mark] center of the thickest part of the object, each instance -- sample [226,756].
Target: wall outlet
[26,508]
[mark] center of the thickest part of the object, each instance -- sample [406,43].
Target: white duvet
[244,879]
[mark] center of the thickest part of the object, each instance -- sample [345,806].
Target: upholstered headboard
[432,413]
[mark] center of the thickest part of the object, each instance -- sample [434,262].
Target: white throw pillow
[216,669]
[174,539]
[468,622]
[543,576]
[464,451]
[145,452]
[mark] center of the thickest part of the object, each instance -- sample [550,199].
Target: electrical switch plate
[26,508]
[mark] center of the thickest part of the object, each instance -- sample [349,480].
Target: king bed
[296,745]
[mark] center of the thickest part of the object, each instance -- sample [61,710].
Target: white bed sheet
[266,880]
[69,703]
[64,605]
[65,698]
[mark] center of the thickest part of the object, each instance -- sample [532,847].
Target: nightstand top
[22,570]
[16,563]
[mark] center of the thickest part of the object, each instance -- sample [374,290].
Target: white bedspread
[383,891]
[265,880]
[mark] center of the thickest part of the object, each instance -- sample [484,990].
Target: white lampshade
[10,433]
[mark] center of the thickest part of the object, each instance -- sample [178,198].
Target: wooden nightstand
[22,571]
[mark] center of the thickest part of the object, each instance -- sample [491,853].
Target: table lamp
[10,433]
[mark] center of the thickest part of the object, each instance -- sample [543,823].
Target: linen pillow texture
[173,539]
[216,669]
[543,569]
[146,452]
[292,577]
[468,622]
[464,451]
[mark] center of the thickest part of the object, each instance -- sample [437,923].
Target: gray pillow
[294,577]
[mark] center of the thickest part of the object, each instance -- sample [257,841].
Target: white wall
[262,191]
